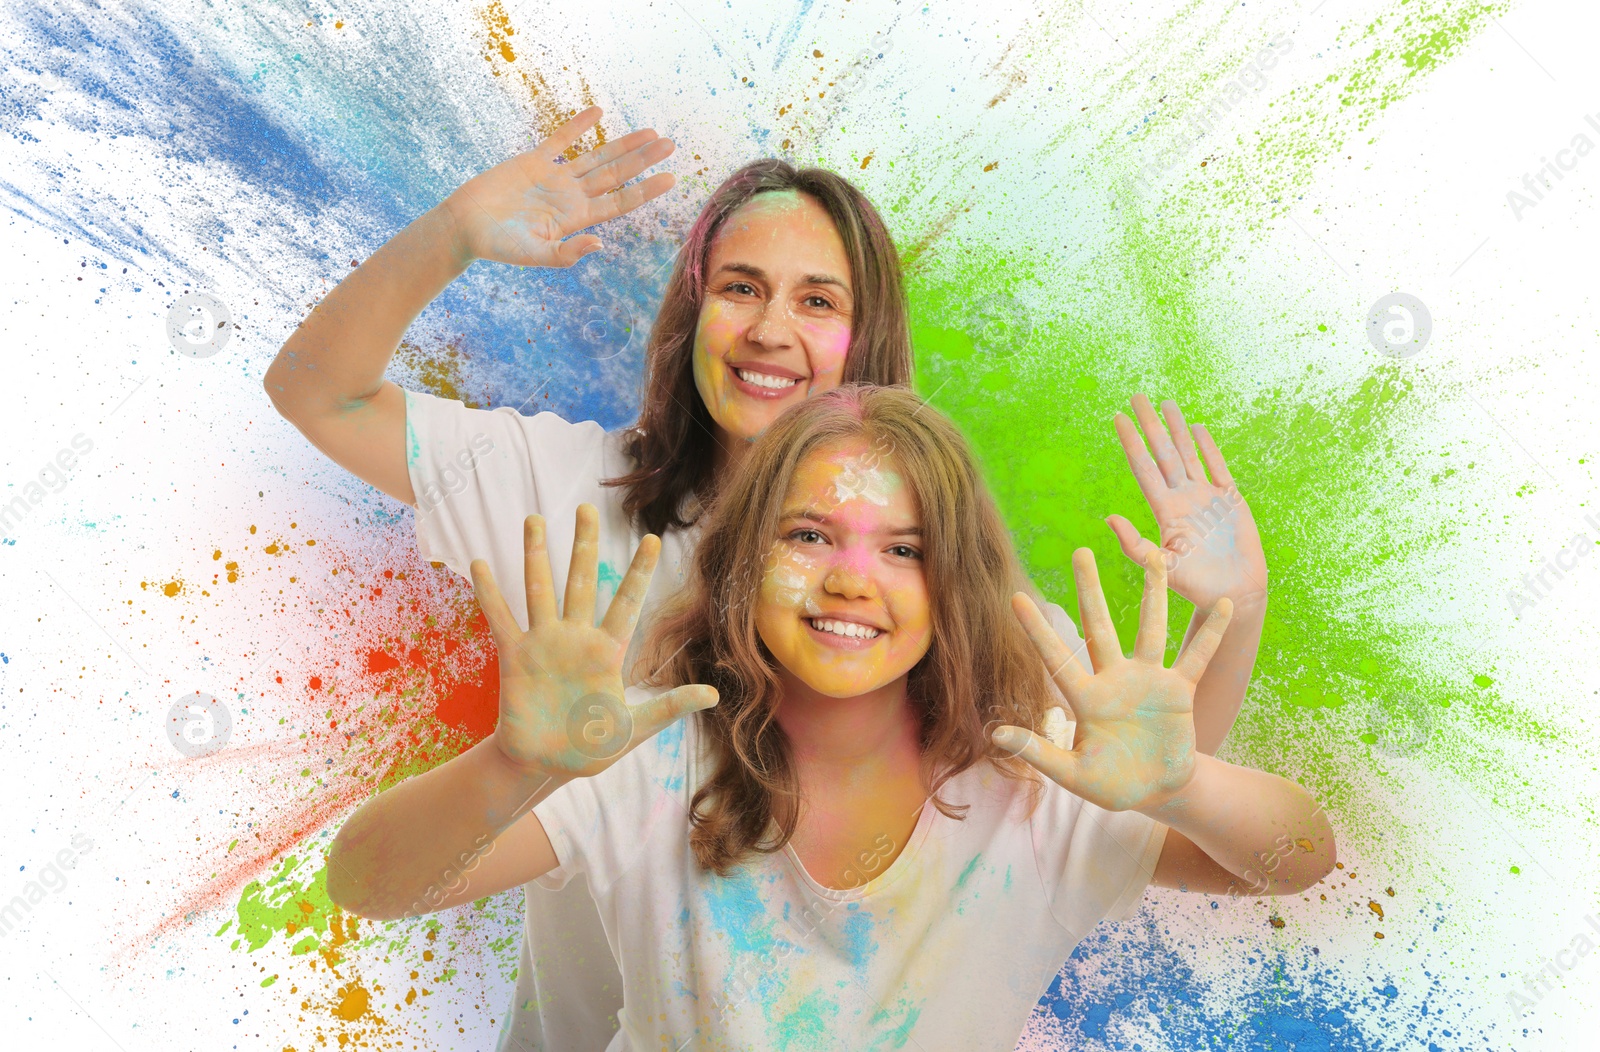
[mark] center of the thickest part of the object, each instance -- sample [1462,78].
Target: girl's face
[775,322]
[844,601]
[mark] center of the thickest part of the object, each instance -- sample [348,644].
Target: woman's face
[775,322]
[844,601]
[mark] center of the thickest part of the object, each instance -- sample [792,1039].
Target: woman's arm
[1211,547]
[464,829]
[1134,749]
[327,379]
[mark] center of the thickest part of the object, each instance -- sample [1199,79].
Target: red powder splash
[409,680]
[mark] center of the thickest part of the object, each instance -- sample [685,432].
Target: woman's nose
[775,328]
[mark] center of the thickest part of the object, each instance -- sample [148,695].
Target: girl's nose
[847,580]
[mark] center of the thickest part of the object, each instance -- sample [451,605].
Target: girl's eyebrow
[821,518]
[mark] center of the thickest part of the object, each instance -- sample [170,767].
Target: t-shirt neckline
[898,868]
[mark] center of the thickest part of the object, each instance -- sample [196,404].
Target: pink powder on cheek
[827,347]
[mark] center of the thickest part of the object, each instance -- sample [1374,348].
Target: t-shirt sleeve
[477,473]
[1094,863]
[599,826]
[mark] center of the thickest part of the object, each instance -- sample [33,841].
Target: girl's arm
[463,830]
[1134,749]
[327,379]
[1211,547]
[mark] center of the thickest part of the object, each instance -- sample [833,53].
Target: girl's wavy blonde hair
[981,669]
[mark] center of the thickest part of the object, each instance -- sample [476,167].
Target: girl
[788,284]
[836,850]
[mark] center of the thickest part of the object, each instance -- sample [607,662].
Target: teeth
[849,629]
[777,383]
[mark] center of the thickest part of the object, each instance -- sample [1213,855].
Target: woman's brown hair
[672,443]
[981,670]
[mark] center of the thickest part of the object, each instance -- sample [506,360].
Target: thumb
[573,249]
[1134,546]
[1058,765]
[664,709]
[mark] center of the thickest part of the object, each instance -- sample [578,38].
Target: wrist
[1170,807]
[449,227]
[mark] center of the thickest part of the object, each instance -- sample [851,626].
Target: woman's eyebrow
[810,279]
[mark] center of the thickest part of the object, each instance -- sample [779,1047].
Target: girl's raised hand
[1133,745]
[1208,535]
[520,210]
[562,711]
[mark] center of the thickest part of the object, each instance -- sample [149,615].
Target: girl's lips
[838,642]
[770,394]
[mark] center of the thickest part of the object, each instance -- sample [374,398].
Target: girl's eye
[806,536]
[905,551]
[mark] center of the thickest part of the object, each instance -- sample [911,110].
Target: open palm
[1133,743]
[1208,535]
[562,709]
[520,210]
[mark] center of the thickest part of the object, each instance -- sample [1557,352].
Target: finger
[501,624]
[623,613]
[1191,664]
[609,206]
[1099,633]
[1150,645]
[562,139]
[1063,669]
[1134,546]
[1145,472]
[609,176]
[573,249]
[584,570]
[1160,443]
[540,589]
[661,711]
[1058,765]
[1214,462]
[1178,428]
[585,163]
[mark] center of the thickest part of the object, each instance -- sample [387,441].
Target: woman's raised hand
[1208,535]
[562,711]
[1133,745]
[520,210]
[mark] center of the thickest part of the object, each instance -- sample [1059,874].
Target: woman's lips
[758,390]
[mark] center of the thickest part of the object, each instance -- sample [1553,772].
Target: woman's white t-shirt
[948,948]
[476,475]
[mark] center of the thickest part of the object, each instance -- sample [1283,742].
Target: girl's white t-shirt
[476,475]
[948,948]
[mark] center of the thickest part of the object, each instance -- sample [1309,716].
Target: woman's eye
[742,288]
[818,302]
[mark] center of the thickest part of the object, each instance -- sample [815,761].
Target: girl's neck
[877,730]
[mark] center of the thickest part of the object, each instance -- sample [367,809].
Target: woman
[848,627]
[787,285]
